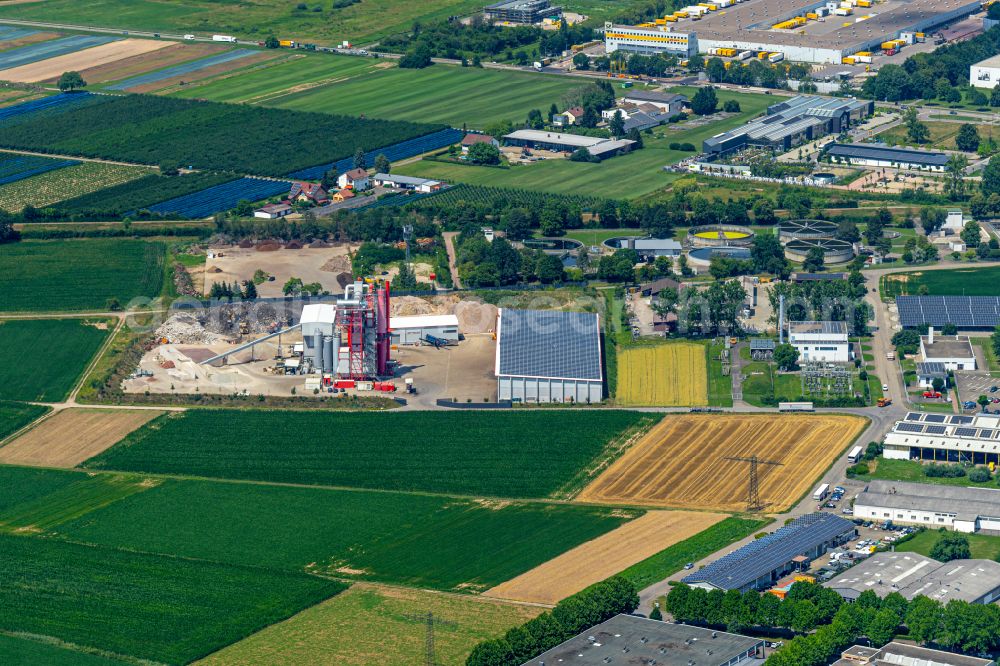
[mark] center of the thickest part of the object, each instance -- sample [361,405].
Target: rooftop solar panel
[934,430]
[963,311]
[909,427]
[913,416]
[935,418]
[965,432]
[961,418]
[547,343]
[986,433]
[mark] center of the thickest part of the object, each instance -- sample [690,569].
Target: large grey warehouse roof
[962,311]
[759,558]
[751,21]
[549,343]
[648,642]
[959,500]
[880,151]
[911,574]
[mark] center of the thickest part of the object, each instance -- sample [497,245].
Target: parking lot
[971,385]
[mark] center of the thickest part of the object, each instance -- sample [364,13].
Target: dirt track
[71,436]
[80,60]
[604,556]
[680,462]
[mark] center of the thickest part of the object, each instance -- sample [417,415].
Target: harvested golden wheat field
[69,437]
[670,375]
[81,60]
[603,557]
[680,462]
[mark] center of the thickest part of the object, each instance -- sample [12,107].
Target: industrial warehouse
[802,30]
[760,564]
[961,509]
[881,155]
[912,574]
[945,438]
[791,122]
[549,356]
[652,642]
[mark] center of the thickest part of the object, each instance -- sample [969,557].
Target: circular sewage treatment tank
[793,229]
[716,235]
[835,251]
[702,256]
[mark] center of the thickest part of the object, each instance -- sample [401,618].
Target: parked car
[993,389]
[839,489]
[689,565]
[847,511]
[885,387]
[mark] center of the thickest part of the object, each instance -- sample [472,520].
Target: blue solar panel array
[743,566]
[219,198]
[18,167]
[547,343]
[395,152]
[179,70]
[62,102]
[44,50]
[962,311]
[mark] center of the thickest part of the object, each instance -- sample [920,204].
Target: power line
[753,490]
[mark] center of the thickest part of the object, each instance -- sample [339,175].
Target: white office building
[985,74]
[954,352]
[824,341]
[932,506]
[954,438]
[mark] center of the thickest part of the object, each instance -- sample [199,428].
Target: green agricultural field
[495,454]
[982,546]
[669,561]
[348,629]
[361,23]
[26,374]
[78,275]
[942,134]
[958,281]
[55,186]
[112,203]
[627,176]
[164,609]
[439,94]
[16,651]
[16,415]
[410,539]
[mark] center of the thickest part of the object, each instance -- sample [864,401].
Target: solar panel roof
[961,418]
[913,416]
[935,418]
[934,430]
[547,343]
[965,432]
[758,558]
[909,427]
[962,311]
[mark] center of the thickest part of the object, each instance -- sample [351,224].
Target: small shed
[413,330]
[927,372]
[762,349]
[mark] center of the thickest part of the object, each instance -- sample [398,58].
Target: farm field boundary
[16,415]
[462,452]
[681,462]
[68,438]
[72,180]
[96,56]
[673,375]
[64,346]
[604,557]
[179,70]
[51,49]
[350,630]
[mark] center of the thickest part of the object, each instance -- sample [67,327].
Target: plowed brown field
[604,556]
[71,436]
[680,462]
[148,62]
[81,60]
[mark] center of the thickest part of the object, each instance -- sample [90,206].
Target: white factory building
[549,356]
[649,41]
[954,352]
[985,74]
[416,329]
[968,438]
[824,341]
[933,506]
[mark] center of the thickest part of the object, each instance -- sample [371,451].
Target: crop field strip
[68,346]
[420,540]
[102,54]
[496,454]
[115,201]
[61,102]
[605,556]
[20,651]
[663,375]
[350,630]
[68,438]
[45,189]
[11,32]
[104,598]
[681,462]
[173,54]
[148,129]
[221,197]
[16,415]
[78,275]
[51,49]
[179,70]
[15,167]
